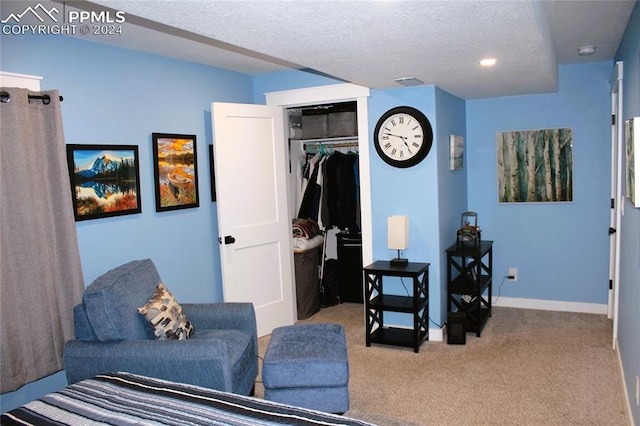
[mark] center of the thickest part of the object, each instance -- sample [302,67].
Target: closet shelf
[331,140]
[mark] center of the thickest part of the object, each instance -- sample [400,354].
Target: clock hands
[404,140]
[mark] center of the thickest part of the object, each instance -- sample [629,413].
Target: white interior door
[256,252]
[617,198]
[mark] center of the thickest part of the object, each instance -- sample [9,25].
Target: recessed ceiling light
[488,62]
[408,81]
[586,50]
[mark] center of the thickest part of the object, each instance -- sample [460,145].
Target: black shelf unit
[469,282]
[377,303]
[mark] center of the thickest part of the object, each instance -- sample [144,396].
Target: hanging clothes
[341,193]
[330,193]
[312,190]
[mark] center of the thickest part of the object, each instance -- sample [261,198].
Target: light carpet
[529,367]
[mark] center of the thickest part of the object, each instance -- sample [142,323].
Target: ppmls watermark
[38,20]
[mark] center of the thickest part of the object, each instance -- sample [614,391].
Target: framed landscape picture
[176,174]
[535,165]
[632,160]
[105,180]
[456,152]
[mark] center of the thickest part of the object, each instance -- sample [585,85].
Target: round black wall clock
[403,136]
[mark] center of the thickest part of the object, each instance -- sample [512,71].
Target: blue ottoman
[307,366]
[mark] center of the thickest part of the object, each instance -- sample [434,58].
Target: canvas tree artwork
[535,165]
[632,161]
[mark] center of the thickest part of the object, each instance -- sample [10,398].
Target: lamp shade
[398,232]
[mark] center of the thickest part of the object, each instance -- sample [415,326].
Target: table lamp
[398,237]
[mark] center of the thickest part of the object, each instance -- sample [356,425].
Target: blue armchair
[111,336]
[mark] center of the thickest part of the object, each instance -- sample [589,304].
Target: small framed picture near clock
[632,160]
[456,152]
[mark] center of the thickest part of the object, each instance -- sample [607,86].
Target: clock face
[403,137]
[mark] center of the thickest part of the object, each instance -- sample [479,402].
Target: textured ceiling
[373,42]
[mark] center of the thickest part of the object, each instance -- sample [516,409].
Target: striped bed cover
[126,399]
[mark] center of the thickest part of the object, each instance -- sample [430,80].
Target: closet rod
[331,140]
[318,145]
[46,99]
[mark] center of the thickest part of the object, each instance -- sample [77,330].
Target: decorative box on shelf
[469,234]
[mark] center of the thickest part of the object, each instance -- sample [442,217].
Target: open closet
[325,189]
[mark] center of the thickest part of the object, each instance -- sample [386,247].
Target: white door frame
[617,197]
[342,93]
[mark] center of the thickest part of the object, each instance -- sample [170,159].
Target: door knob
[229,239]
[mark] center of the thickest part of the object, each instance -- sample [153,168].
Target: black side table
[469,277]
[376,303]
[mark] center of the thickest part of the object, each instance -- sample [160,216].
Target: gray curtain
[40,271]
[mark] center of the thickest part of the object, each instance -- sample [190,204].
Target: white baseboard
[625,389]
[436,334]
[550,305]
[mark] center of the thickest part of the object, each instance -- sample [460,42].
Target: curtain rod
[46,99]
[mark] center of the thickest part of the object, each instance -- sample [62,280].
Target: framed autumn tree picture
[176,172]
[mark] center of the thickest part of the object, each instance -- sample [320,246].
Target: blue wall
[561,250]
[118,96]
[412,191]
[452,187]
[629,318]
[429,193]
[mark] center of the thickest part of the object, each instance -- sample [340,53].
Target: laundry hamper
[307,260]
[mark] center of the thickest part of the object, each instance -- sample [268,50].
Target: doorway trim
[342,93]
[617,196]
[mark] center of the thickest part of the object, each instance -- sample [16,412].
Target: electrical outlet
[513,272]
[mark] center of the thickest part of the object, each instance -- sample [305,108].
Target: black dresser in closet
[350,267]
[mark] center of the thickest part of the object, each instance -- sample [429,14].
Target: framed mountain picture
[105,180]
